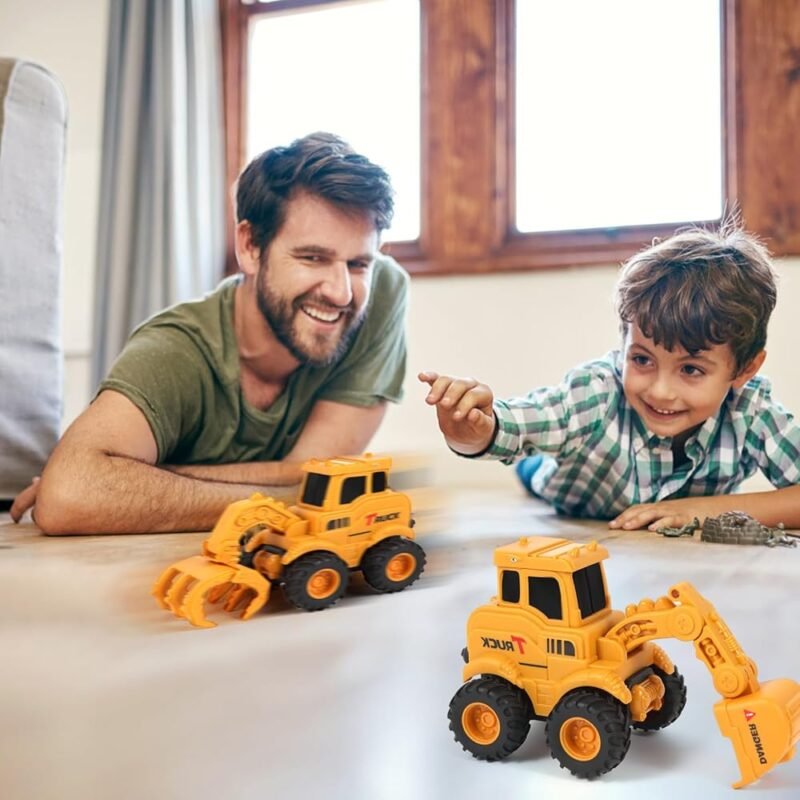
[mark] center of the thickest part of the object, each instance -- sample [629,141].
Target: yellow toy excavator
[346,518]
[550,647]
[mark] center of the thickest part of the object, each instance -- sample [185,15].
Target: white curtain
[162,197]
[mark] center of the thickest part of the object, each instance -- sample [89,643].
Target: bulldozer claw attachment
[763,726]
[184,587]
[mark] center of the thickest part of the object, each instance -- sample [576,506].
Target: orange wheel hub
[400,567]
[323,583]
[580,739]
[480,723]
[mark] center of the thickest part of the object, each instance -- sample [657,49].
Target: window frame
[467,137]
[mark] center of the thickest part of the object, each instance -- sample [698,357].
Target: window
[335,524]
[327,48]
[560,647]
[590,590]
[510,586]
[475,107]
[353,488]
[584,162]
[378,481]
[315,489]
[545,594]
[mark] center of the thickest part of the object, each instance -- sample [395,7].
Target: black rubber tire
[612,721]
[377,558]
[511,706]
[673,703]
[299,573]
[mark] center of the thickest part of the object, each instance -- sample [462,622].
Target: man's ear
[248,255]
[750,370]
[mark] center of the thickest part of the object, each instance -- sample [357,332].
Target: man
[292,359]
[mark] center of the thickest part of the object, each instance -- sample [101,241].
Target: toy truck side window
[315,489]
[352,488]
[378,481]
[509,586]
[335,524]
[590,590]
[545,595]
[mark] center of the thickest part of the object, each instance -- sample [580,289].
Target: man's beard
[280,314]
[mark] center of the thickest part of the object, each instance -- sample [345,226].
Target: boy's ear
[750,370]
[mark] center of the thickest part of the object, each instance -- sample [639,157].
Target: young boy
[663,430]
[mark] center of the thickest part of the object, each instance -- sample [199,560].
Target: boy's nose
[662,389]
[337,288]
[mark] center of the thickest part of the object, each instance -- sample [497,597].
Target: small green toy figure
[686,530]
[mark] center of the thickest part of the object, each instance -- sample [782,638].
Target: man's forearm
[106,493]
[262,473]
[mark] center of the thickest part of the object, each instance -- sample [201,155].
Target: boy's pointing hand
[464,410]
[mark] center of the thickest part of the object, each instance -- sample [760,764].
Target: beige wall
[513,331]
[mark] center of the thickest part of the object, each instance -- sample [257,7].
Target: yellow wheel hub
[580,739]
[323,583]
[480,723]
[400,567]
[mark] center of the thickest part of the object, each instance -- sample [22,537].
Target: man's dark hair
[321,164]
[700,288]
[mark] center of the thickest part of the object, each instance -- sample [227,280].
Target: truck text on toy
[550,647]
[346,518]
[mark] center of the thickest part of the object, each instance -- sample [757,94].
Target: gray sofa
[33,116]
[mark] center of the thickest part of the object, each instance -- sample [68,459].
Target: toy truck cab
[551,610]
[348,501]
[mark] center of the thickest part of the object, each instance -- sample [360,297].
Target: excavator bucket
[763,726]
[184,587]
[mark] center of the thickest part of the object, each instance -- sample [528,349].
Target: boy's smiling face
[674,392]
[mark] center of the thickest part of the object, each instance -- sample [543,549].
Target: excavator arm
[762,721]
[219,573]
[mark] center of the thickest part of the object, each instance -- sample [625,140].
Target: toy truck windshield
[315,489]
[589,590]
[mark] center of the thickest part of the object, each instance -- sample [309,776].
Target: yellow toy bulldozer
[346,518]
[550,647]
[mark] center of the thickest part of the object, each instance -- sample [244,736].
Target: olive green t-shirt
[181,369]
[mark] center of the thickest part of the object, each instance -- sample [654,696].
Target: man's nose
[337,288]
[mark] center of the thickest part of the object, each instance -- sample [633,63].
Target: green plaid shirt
[606,460]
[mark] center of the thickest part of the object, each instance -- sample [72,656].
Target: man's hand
[464,410]
[671,513]
[24,500]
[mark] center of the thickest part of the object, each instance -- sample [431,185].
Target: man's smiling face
[315,276]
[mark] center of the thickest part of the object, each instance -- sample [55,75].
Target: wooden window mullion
[766,41]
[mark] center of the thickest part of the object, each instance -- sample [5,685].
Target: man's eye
[358,266]
[312,259]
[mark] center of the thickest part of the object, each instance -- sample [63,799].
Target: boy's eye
[692,371]
[640,360]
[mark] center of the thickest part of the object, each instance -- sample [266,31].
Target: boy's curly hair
[700,288]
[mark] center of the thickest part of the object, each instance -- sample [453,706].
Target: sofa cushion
[33,117]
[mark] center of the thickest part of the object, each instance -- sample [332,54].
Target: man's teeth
[322,316]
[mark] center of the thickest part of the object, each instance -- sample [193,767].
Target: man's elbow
[60,507]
